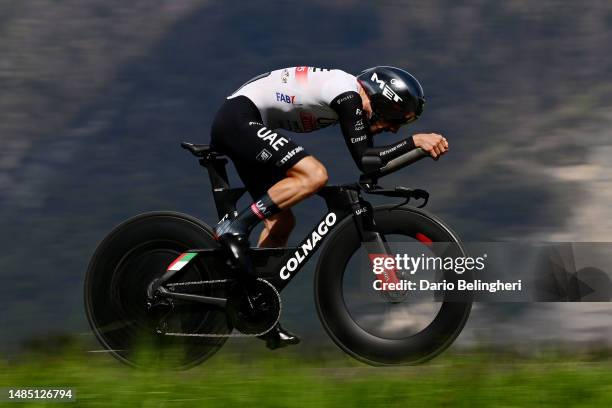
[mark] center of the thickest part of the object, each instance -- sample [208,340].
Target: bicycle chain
[215,335]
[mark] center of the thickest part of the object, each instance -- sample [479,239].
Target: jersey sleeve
[349,110]
[356,134]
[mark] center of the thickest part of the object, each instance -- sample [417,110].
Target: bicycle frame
[280,265]
[342,201]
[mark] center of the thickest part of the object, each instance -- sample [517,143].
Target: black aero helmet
[393,93]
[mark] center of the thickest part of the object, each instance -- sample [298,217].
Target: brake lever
[417,194]
[422,195]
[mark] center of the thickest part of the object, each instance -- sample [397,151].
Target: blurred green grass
[285,378]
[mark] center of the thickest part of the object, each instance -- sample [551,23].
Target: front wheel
[374,328]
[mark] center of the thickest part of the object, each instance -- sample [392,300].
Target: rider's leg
[275,170]
[303,180]
[276,230]
[246,219]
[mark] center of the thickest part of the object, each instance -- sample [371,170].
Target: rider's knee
[317,178]
[310,174]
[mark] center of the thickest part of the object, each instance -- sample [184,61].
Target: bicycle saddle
[199,150]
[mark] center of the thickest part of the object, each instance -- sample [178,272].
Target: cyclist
[279,173]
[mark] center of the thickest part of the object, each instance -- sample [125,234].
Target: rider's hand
[434,144]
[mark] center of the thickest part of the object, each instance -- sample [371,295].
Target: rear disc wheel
[124,265]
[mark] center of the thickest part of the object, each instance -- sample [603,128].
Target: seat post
[216,171]
[225,197]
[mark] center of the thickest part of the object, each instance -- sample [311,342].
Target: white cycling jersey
[297,98]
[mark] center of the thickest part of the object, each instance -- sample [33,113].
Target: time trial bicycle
[161,280]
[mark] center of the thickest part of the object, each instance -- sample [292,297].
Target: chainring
[271,302]
[255,308]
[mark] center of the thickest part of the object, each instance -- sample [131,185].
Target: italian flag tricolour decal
[181,261]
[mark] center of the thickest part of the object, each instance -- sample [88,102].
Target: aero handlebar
[402,161]
[393,165]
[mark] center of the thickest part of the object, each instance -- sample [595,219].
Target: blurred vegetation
[286,379]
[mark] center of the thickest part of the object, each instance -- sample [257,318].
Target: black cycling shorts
[262,156]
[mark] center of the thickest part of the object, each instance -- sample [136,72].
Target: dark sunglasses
[404,121]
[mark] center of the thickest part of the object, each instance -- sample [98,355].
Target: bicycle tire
[337,319]
[115,301]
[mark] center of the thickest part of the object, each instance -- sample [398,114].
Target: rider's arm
[356,132]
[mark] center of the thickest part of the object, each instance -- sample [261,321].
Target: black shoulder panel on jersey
[357,135]
[350,116]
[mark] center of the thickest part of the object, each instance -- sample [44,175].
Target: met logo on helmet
[388,92]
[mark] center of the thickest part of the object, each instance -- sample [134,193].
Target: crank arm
[164,293]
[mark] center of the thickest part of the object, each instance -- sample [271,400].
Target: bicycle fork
[374,243]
